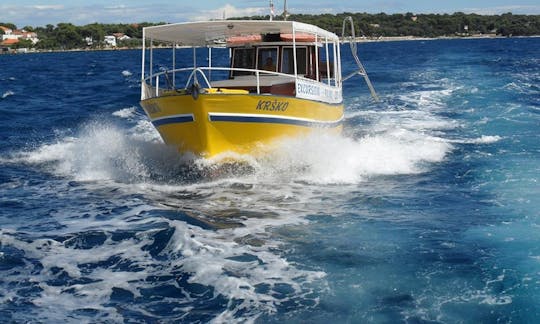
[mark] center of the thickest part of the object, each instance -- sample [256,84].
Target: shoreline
[343,41]
[417,38]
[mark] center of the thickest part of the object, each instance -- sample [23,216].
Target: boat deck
[270,84]
[251,81]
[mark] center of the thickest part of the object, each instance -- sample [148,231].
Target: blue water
[425,210]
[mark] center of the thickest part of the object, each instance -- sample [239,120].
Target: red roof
[10,41]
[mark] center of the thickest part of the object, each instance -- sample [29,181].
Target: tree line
[424,25]
[68,36]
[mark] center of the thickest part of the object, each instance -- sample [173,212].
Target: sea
[425,209]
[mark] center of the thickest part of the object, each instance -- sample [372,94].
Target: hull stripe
[174,119]
[271,119]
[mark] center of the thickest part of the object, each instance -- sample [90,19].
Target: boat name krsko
[272,105]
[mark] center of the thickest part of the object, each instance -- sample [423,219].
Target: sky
[80,12]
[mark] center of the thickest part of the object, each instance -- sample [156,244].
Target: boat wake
[108,272]
[105,151]
[155,233]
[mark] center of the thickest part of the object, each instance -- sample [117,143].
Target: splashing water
[423,210]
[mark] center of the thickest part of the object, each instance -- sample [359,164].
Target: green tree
[8,25]
[95,31]
[68,36]
[23,43]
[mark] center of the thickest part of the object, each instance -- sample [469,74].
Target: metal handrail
[354,51]
[200,70]
[194,74]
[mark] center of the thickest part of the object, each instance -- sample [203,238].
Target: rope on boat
[354,51]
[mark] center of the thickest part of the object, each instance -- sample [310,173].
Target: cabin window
[267,58]
[243,58]
[287,62]
[326,62]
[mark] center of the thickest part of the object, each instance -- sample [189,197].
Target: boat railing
[354,51]
[152,82]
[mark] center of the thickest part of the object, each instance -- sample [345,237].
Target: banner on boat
[312,90]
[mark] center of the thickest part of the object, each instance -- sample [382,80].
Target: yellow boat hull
[217,121]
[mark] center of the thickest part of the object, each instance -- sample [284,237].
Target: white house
[7,31]
[110,40]
[121,36]
[89,41]
[16,35]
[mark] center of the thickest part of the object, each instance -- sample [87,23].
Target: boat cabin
[274,53]
[277,58]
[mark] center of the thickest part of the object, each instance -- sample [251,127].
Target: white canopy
[208,32]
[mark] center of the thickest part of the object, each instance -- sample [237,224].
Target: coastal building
[23,34]
[7,31]
[121,36]
[10,37]
[10,42]
[110,40]
[89,40]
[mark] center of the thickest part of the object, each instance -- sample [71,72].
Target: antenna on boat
[285,13]
[354,50]
[271,10]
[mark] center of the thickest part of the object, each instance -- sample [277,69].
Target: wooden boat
[283,79]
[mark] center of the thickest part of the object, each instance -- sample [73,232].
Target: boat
[282,79]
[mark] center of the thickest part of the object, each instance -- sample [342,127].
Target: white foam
[210,258]
[484,139]
[100,152]
[496,300]
[338,159]
[7,94]
[416,121]
[126,112]
[57,301]
[105,152]
[126,73]
[144,130]
[428,99]
[281,182]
